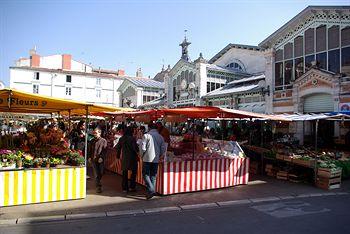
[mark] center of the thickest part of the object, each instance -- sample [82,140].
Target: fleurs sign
[22,102]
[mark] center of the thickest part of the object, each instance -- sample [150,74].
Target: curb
[223,204]
[199,206]
[124,212]
[40,219]
[86,215]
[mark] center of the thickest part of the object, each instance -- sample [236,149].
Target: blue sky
[130,34]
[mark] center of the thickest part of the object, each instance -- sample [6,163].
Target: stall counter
[19,187]
[191,176]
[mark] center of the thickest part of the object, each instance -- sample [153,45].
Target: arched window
[236,65]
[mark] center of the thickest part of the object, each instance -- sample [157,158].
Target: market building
[63,77]
[188,82]
[308,61]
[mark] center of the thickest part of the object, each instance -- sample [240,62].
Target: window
[298,67]
[279,55]
[217,85]
[308,61]
[98,93]
[298,46]
[98,81]
[333,37]
[345,60]
[36,75]
[345,36]
[334,61]
[288,51]
[288,72]
[278,74]
[321,38]
[235,66]
[309,41]
[68,91]
[208,87]
[68,78]
[212,86]
[35,88]
[321,60]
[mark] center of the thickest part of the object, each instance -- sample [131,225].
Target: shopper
[98,152]
[164,132]
[77,137]
[128,148]
[153,147]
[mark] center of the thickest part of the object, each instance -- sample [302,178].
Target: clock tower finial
[184,46]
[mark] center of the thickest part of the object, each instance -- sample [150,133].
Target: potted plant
[54,162]
[46,163]
[37,162]
[80,161]
[19,159]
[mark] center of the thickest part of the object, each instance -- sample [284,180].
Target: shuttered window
[333,37]
[298,46]
[321,38]
[345,36]
[317,103]
[309,41]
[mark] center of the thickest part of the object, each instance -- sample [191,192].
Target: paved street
[112,198]
[326,214]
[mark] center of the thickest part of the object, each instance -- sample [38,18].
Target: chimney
[121,72]
[139,73]
[66,61]
[35,60]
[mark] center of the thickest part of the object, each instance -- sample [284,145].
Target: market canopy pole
[86,134]
[316,134]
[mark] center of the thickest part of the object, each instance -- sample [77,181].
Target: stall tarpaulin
[208,112]
[16,101]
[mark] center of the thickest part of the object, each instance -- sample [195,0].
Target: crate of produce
[328,183]
[280,156]
[294,178]
[282,175]
[329,172]
[254,168]
[303,162]
[288,158]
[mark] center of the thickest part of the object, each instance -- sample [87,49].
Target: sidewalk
[112,198]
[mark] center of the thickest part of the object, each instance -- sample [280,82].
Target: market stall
[37,166]
[194,164]
[285,159]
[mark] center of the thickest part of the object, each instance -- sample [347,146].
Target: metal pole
[193,140]
[69,122]
[86,133]
[316,134]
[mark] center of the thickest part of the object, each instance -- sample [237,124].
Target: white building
[136,91]
[63,77]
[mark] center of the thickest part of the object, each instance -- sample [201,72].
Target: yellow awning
[12,100]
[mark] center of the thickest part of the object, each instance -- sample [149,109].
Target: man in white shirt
[153,147]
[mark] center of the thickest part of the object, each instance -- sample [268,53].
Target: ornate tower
[184,46]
